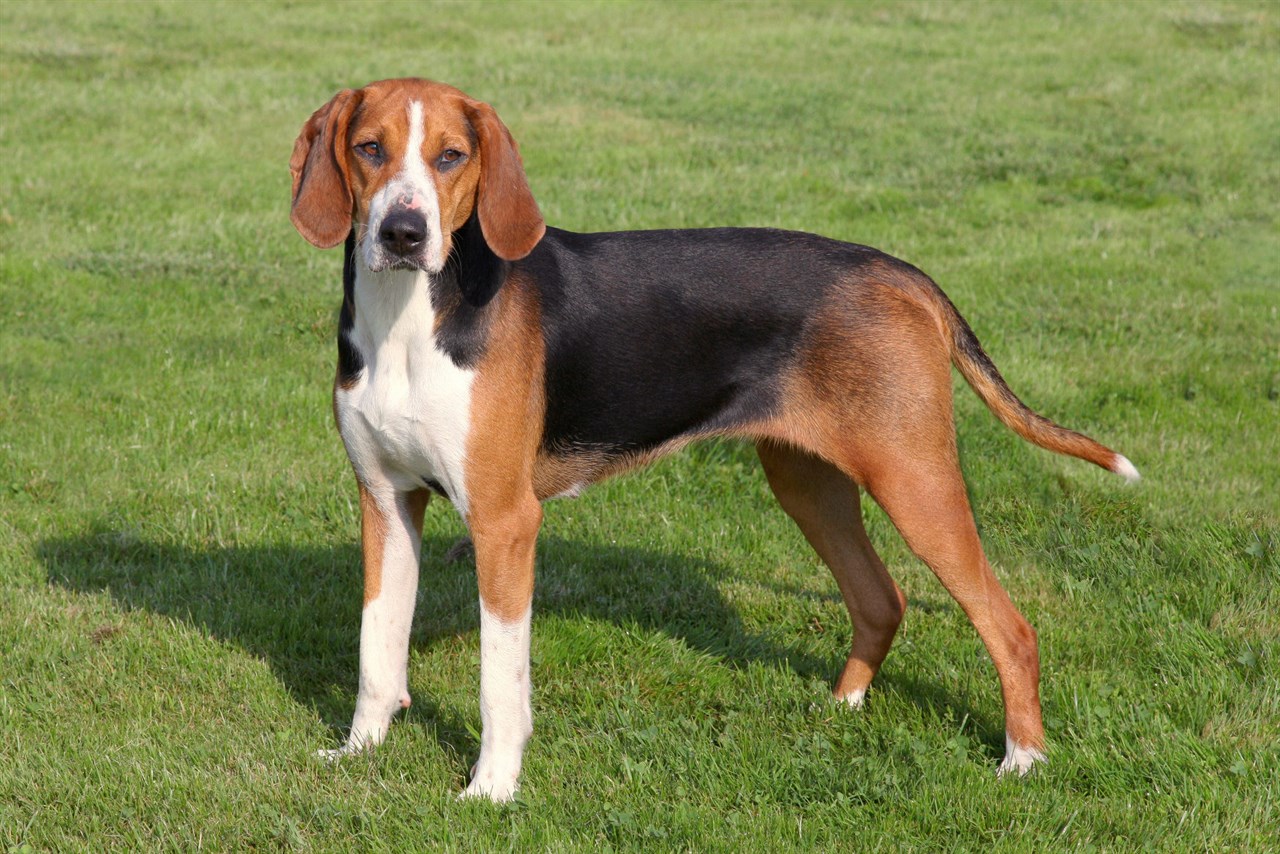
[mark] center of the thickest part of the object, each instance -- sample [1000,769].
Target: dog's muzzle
[403,237]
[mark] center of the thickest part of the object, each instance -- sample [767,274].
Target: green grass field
[1097,187]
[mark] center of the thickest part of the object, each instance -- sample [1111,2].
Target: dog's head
[407,162]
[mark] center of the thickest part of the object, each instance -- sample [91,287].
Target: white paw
[1020,759]
[355,744]
[486,786]
[345,750]
[496,776]
[855,699]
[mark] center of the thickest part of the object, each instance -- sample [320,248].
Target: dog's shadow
[298,608]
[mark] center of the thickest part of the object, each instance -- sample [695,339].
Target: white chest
[406,418]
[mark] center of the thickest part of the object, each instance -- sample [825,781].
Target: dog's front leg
[391,539]
[504,544]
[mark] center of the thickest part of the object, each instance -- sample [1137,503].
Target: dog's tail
[982,375]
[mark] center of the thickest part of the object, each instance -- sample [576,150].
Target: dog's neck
[472,271]
[451,307]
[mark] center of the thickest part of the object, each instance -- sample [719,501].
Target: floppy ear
[509,216]
[322,199]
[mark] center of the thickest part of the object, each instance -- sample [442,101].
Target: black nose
[403,232]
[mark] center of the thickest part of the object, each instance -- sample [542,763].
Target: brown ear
[322,198]
[509,216]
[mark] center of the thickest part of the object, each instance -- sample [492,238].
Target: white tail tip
[1125,469]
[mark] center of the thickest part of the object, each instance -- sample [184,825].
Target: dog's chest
[406,417]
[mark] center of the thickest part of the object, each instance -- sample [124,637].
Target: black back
[652,335]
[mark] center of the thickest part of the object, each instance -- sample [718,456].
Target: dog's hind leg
[922,491]
[874,398]
[825,504]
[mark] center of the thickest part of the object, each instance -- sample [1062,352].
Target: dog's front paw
[498,791]
[496,781]
[358,742]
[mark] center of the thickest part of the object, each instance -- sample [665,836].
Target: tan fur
[322,197]
[866,405]
[557,473]
[332,185]
[874,398]
[506,418]
[825,505]
[373,536]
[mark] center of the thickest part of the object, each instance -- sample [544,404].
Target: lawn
[1097,187]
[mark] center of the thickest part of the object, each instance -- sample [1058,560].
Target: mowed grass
[1097,186]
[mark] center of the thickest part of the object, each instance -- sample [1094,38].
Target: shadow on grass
[298,609]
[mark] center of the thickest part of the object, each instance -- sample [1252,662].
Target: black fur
[649,335]
[659,334]
[350,362]
[461,294]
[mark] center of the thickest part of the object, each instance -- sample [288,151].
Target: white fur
[1018,758]
[413,186]
[572,492]
[384,634]
[1125,469]
[406,418]
[404,421]
[505,712]
[855,699]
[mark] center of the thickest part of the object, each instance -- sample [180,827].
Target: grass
[1097,186]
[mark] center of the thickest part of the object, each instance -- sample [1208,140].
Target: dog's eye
[450,157]
[370,149]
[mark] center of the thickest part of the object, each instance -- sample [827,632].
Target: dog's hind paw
[1020,760]
[345,750]
[855,699]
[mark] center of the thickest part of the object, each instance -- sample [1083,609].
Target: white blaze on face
[414,188]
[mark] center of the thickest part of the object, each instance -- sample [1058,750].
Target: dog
[494,361]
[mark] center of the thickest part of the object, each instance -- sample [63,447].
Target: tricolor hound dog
[496,362]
